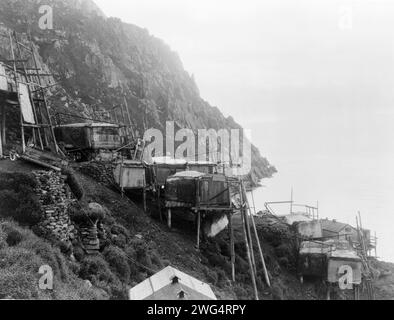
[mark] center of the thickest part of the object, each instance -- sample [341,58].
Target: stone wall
[55,198]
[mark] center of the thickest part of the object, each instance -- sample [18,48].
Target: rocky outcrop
[100,61]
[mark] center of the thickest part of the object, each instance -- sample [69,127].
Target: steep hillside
[98,60]
[133,246]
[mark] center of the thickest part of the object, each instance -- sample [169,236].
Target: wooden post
[128,116]
[121,178]
[41,90]
[328,297]
[17,90]
[267,280]
[169,218]
[36,131]
[244,202]
[158,189]
[3,129]
[1,135]
[356,292]
[144,199]
[249,254]
[232,246]
[198,228]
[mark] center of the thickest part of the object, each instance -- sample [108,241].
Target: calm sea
[342,187]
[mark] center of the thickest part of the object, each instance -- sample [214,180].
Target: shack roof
[163,282]
[202,163]
[168,161]
[196,174]
[131,163]
[339,249]
[334,226]
[189,174]
[89,125]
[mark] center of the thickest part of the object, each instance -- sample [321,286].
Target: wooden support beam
[40,163]
[129,118]
[3,141]
[198,229]
[328,293]
[248,251]
[1,138]
[169,218]
[144,199]
[232,245]
[267,279]
[245,206]
[158,189]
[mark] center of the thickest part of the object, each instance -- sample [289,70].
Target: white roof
[201,163]
[191,174]
[332,248]
[87,124]
[163,279]
[168,160]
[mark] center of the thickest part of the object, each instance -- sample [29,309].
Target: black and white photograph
[204,153]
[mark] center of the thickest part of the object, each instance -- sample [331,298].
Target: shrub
[73,183]
[79,253]
[118,262]
[211,275]
[29,211]
[120,230]
[9,200]
[3,238]
[96,270]
[283,250]
[15,181]
[78,215]
[139,251]
[14,237]
[156,260]
[21,204]
[241,292]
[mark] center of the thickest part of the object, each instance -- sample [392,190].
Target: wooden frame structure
[249,228]
[26,74]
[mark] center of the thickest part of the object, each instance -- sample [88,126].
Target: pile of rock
[90,241]
[55,198]
[99,171]
[92,232]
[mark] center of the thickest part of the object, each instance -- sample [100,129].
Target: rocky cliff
[97,61]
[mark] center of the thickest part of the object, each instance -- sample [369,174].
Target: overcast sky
[312,79]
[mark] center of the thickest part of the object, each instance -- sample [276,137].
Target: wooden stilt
[1,136]
[232,246]
[159,202]
[144,199]
[198,228]
[41,91]
[121,177]
[267,280]
[248,252]
[328,297]
[3,126]
[169,218]
[129,118]
[17,90]
[244,202]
